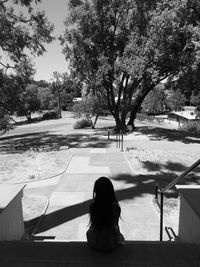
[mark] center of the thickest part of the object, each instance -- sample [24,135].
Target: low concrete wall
[11,215]
[189,216]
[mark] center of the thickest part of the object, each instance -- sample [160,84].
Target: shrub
[191,127]
[49,115]
[144,116]
[83,123]
[5,124]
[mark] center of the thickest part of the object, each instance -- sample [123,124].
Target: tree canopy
[124,48]
[155,101]
[23,31]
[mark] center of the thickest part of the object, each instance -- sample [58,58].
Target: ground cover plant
[191,126]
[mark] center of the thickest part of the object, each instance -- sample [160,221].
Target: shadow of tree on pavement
[163,134]
[45,141]
[141,184]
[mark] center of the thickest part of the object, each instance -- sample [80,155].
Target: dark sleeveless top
[105,218]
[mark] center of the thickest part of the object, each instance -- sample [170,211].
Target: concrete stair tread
[73,253]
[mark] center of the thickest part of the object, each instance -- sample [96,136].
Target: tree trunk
[59,102]
[119,123]
[95,121]
[28,116]
[139,98]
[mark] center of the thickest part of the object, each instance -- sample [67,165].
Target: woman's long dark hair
[105,210]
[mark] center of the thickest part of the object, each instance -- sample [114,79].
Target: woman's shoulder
[116,205]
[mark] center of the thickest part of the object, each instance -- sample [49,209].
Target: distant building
[77,99]
[188,114]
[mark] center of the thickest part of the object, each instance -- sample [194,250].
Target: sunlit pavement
[67,215]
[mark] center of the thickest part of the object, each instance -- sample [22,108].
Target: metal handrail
[120,140]
[163,190]
[178,178]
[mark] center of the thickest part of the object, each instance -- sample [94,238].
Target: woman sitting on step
[104,233]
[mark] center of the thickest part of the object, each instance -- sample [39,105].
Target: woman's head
[104,190]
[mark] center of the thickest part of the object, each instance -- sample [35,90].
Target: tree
[8,100]
[22,34]
[124,48]
[56,86]
[46,98]
[91,107]
[70,89]
[28,102]
[176,100]
[9,93]
[5,124]
[155,102]
[188,83]
[195,99]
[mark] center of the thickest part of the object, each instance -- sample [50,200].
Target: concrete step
[78,254]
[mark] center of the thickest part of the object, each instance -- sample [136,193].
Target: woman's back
[104,233]
[104,216]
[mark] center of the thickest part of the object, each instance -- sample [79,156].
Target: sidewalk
[67,213]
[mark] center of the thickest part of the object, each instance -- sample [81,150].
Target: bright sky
[53,59]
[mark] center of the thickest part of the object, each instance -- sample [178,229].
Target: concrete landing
[67,214]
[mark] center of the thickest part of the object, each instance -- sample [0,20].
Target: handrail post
[108,134]
[161,216]
[172,183]
[122,141]
[156,192]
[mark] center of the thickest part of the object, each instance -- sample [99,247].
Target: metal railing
[167,187]
[119,139]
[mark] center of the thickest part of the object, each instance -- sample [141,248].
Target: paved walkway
[67,213]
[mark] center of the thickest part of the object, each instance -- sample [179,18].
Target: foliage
[188,83]
[9,93]
[28,102]
[124,48]
[22,31]
[46,98]
[5,124]
[176,100]
[191,127]
[42,83]
[69,90]
[195,99]
[56,87]
[90,107]
[49,115]
[155,102]
[83,123]
[144,116]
